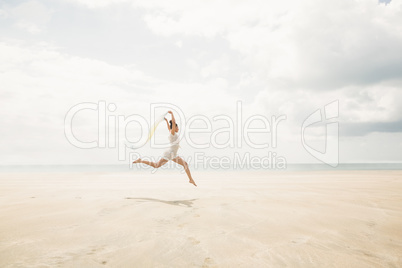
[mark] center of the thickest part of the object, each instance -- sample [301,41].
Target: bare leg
[180,161]
[152,164]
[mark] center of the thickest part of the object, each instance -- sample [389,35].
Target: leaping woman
[171,152]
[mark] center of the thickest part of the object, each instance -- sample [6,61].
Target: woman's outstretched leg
[180,161]
[152,164]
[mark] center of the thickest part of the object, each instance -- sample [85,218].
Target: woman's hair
[170,122]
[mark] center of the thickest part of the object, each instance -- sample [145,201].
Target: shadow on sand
[187,203]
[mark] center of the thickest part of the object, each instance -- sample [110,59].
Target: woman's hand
[167,123]
[170,112]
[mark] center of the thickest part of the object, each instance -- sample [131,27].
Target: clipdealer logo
[112,133]
[330,155]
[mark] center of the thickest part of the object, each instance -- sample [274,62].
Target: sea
[175,167]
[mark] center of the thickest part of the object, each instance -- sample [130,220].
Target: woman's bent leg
[152,164]
[180,161]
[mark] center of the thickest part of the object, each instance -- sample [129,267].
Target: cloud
[31,16]
[361,129]
[94,4]
[300,55]
[40,84]
[277,57]
[317,44]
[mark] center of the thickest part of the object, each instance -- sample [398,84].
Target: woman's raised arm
[167,123]
[173,123]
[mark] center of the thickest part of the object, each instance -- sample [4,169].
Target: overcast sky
[276,57]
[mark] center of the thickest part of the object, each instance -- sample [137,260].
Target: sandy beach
[242,219]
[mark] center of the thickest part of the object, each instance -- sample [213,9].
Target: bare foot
[193,182]
[137,161]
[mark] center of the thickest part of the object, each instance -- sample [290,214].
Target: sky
[274,58]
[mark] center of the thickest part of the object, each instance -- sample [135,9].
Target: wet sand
[243,219]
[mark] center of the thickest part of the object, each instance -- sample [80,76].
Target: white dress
[171,152]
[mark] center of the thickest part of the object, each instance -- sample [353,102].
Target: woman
[171,153]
